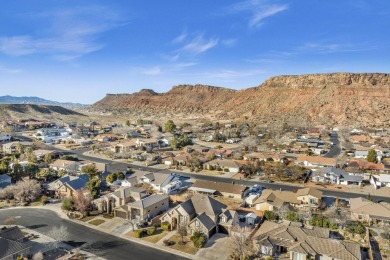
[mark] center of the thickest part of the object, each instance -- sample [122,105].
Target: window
[197,223]
[360,216]
[223,219]
[182,218]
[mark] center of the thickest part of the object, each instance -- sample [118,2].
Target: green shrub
[138,233]
[86,214]
[226,170]
[199,239]
[151,231]
[67,204]
[219,168]
[166,226]
[211,168]
[385,235]
[111,177]
[120,176]
[269,215]
[355,227]
[292,216]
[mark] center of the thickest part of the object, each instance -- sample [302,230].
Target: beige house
[230,165]
[229,190]
[371,212]
[67,185]
[198,213]
[309,197]
[118,198]
[124,147]
[316,161]
[294,241]
[144,209]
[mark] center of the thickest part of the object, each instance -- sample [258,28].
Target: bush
[211,168]
[151,231]
[269,215]
[199,239]
[355,228]
[168,242]
[219,168]
[120,176]
[166,226]
[67,204]
[44,199]
[292,216]
[138,233]
[111,177]
[86,214]
[385,235]
[226,170]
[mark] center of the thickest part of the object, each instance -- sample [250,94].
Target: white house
[5,137]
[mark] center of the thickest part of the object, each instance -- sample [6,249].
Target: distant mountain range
[37,101]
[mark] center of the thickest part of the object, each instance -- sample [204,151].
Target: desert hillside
[38,112]
[332,99]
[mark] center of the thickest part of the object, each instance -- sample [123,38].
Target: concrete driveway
[218,247]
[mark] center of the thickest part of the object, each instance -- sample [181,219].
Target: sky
[80,50]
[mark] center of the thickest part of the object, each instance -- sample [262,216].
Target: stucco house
[332,175]
[316,161]
[294,241]
[230,165]
[368,211]
[144,209]
[198,213]
[229,190]
[67,185]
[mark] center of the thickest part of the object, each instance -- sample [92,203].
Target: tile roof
[205,220]
[317,160]
[220,186]
[310,191]
[372,209]
[277,198]
[9,247]
[149,201]
[79,182]
[207,205]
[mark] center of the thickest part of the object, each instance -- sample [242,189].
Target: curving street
[90,240]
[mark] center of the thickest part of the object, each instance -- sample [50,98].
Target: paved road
[335,151]
[90,240]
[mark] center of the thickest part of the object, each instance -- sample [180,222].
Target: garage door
[223,230]
[121,214]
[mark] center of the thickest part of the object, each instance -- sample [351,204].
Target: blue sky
[80,50]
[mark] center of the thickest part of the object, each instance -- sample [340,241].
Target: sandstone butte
[327,99]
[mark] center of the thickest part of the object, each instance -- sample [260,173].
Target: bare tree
[182,231]
[305,215]
[283,210]
[82,201]
[242,246]
[59,234]
[27,190]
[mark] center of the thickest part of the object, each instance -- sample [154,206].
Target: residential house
[67,165]
[256,156]
[147,143]
[5,180]
[381,180]
[40,154]
[222,153]
[231,221]
[362,139]
[316,161]
[124,146]
[230,165]
[5,137]
[229,190]
[144,209]
[300,242]
[67,185]
[103,138]
[368,211]
[118,198]
[163,181]
[332,175]
[368,166]
[12,244]
[304,199]
[200,212]
[11,148]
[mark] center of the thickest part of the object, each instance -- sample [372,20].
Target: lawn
[97,222]
[188,247]
[88,218]
[108,216]
[36,203]
[156,237]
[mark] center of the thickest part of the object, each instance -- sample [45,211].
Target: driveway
[218,246]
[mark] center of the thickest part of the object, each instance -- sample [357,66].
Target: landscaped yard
[188,247]
[88,218]
[156,237]
[97,222]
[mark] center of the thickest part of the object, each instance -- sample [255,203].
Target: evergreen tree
[371,157]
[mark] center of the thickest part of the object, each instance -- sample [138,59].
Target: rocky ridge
[331,99]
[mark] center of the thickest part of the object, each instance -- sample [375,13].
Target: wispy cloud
[324,48]
[163,69]
[229,42]
[259,10]
[69,34]
[4,69]
[199,44]
[180,38]
[229,75]
[156,70]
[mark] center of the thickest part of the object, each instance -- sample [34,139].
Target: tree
[127,123]
[120,175]
[62,173]
[91,170]
[31,169]
[93,186]
[27,190]
[17,171]
[372,156]
[283,210]
[242,246]
[59,234]
[111,177]
[82,201]
[292,216]
[182,231]
[45,174]
[199,239]
[170,126]
[270,215]
[4,167]
[67,204]
[48,158]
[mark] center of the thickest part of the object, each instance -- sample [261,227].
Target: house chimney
[123,193]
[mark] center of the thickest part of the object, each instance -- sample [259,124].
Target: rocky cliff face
[336,98]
